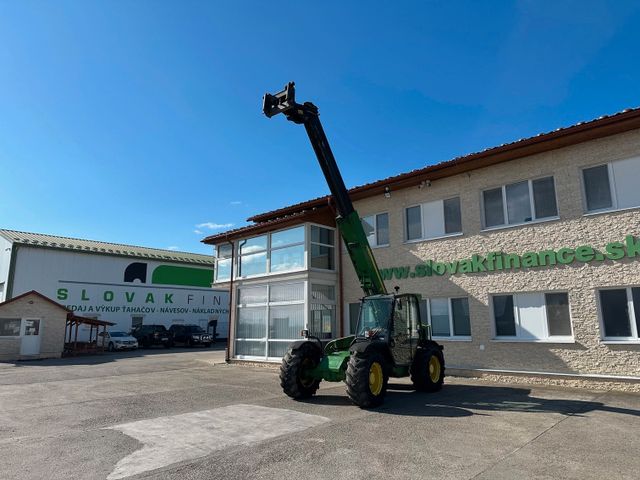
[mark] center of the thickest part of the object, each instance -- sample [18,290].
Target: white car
[118,341]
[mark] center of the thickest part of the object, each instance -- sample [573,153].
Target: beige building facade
[527,256]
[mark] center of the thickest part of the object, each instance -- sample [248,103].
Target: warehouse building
[121,284]
[527,257]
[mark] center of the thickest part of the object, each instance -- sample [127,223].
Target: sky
[140,122]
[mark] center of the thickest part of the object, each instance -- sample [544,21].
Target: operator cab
[393,319]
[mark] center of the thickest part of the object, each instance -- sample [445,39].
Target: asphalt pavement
[180,413]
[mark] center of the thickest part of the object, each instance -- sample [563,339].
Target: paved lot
[183,414]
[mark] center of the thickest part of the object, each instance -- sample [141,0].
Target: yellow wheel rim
[434,369]
[376,379]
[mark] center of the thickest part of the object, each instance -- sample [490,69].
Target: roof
[600,127]
[90,321]
[605,125]
[39,295]
[105,248]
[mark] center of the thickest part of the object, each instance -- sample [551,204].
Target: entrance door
[30,334]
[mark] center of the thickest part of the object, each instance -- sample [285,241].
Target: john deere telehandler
[390,339]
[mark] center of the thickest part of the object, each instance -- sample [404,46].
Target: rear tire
[427,370]
[111,348]
[367,379]
[292,369]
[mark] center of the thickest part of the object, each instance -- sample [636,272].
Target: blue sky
[140,122]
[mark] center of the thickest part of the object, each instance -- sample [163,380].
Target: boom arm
[347,219]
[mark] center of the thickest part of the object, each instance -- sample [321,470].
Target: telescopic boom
[347,219]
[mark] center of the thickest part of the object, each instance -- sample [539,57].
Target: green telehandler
[390,339]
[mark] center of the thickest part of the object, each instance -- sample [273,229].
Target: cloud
[173,247]
[214,226]
[235,202]
[199,232]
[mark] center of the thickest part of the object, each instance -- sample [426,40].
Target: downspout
[12,271]
[228,350]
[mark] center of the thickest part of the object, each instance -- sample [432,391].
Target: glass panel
[253,348]
[251,245]
[375,314]
[354,312]
[253,264]
[252,322]
[287,237]
[460,313]
[10,327]
[32,327]
[286,292]
[383,229]
[288,258]
[615,313]
[597,187]
[493,210]
[544,197]
[223,251]
[253,295]
[518,204]
[433,219]
[635,295]
[322,257]
[369,227]
[414,226]
[321,322]
[558,316]
[323,293]
[321,235]
[452,217]
[625,176]
[223,269]
[503,314]
[440,317]
[286,321]
[278,349]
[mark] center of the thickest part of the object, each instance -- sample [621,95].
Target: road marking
[173,439]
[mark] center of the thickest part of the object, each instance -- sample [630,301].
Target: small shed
[34,326]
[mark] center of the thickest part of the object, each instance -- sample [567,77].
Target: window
[433,219]
[520,202]
[612,186]
[10,327]
[322,321]
[287,250]
[620,310]
[376,227]
[253,256]
[448,317]
[322,248]
[269,318]
[532,316]
[223,263]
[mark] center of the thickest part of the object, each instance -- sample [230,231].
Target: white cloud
[199,232]
[235,202]
[214,226]
[173,247]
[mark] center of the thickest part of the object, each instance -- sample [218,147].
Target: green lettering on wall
[615,250]
[149,298]
[108,296]
[62,294]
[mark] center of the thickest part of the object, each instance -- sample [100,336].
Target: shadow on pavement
[467,400]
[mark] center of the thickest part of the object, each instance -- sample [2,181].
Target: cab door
[401,342]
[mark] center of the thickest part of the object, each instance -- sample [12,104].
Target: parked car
[117,341]
[190,335]
[149,335]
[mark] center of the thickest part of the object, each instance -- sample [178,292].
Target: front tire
[367,379]
[111,348]
[427,370]
[295,363]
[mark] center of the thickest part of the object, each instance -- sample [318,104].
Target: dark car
[149,335]
[190,335]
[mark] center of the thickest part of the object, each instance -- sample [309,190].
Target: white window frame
[375,229]
[516,316]
[635,335]
[532,206]
[267,305]
[422,226]
[452,337]
[612,188]
[336,239]
[217,259]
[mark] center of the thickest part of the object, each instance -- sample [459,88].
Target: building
[526,256]
[123,284]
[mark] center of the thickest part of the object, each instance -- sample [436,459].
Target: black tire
[294,363]
[111,348]
[360,388]
[167,345]
[427,369]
